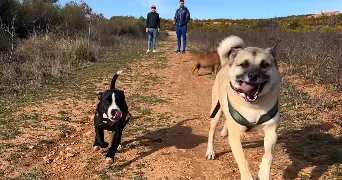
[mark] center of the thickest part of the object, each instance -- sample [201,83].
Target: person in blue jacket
[181,20]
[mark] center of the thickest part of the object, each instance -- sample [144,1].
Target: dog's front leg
[270,141]
[210,154]
[99,139]
[116,139]
[234,137]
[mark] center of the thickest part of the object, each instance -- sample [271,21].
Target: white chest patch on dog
[112,106]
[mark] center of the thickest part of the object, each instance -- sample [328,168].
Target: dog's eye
[244,64]
[264,64]
[106,102]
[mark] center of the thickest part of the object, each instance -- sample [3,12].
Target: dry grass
[37,59]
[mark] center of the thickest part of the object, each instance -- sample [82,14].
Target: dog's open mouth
[116,115]
[251,91]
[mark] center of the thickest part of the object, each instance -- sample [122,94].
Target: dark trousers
[181,32]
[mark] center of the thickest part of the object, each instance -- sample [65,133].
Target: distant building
[326,14]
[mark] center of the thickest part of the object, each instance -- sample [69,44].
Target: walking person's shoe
[183,52]
[148,50]
[178,51]
[154,50]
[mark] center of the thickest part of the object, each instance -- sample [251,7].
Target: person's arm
[158,23]
[187,16]
[147,21]
[175,18]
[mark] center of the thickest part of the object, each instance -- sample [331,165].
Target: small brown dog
[211,59]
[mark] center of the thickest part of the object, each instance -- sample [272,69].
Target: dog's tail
[226,46]
[115,77]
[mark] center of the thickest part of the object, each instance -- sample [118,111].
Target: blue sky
[200,9]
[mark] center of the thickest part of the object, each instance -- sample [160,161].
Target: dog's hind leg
[235,135]
[224,132]
[216,67]
[195,67]
[270,141]
[213,70]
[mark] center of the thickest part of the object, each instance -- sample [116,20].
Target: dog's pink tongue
[117,115]
[246,88]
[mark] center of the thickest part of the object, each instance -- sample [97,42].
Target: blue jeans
[152,35]
[181,32]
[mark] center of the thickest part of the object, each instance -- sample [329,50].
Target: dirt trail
[172,143]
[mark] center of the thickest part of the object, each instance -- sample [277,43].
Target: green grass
[139,177]
[63,118]
[13,157]
[36,174]
[8,130]
[6,146]
[66,86]
[22,147]
[65,129]
[29,117]
[116,171]
[140,166]
[151,100]
[47,141]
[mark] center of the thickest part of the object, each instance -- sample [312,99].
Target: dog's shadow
[177,135]
[311,147]
[308,147]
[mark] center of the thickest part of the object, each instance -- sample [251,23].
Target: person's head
[153,8]
[181,3]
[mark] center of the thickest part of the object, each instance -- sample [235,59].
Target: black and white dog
[112,115]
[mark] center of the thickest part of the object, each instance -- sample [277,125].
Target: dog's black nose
[253,76]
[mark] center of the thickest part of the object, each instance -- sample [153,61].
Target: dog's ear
[99,95]
[233,53]
[272,49]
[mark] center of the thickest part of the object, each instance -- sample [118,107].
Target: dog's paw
[210,154]
[119,147]
[258,178]
[263,176]
[224,133]
[104,145]
[264,171]
[109,160]
[96,148]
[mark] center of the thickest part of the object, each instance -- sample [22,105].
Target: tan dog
[211,59]
[250,79]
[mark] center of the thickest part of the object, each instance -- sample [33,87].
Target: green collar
[242,120]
